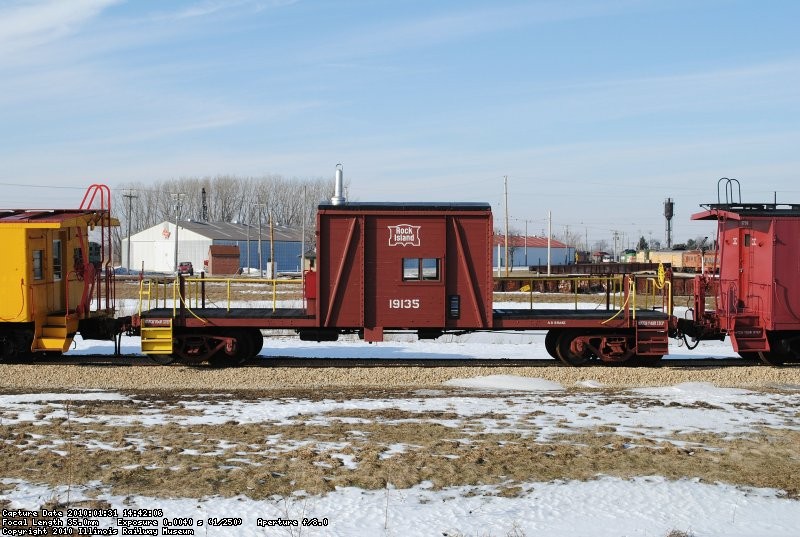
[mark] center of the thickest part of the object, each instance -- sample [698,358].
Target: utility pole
[271,247]
[526,246]
[549,237]
[260,256]
[129,194]
[177,198]
[303,241]
[505,186]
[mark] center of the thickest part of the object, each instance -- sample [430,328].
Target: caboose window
[416,269]
[56,260]
[38,272]
[430,269]
[411,269]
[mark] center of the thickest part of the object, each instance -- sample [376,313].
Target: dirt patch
[369,449]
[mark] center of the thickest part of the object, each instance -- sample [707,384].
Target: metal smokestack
[338,197]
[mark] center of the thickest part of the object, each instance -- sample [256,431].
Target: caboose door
[59,277]
[404,258]
[745,266]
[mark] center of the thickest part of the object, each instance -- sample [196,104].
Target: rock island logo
[404,235]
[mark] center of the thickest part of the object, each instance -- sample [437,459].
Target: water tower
[669,211]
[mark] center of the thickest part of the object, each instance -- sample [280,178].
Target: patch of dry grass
[266,459]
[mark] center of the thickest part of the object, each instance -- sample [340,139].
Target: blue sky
[595,110]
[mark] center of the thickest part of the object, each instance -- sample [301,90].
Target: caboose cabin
[43,278]
[404,266]
[758,268]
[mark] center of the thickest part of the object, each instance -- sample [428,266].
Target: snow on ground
[645,506]
[606,506]
[540,405]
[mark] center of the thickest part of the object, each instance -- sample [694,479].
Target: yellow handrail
[574,280]
[630,298]
[666,295]
[193,292]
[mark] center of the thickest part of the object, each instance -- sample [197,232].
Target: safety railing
[577,285]
[197,292]
[655,291]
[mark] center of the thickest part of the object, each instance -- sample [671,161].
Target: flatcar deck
[235,313]
[267,318]
[516,319]
[547,319]
[573,314]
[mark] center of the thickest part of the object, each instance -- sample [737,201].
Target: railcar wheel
[221,359]
[8,348]
[15,348]
[257,341]
[777,356]
[161,359]
[784,347]
[771,358]
[572,349]
[646,360]
[551,343]
[242,352]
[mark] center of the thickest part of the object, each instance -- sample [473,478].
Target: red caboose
[759,269]
[403,266]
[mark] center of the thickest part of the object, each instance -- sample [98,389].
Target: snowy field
[600,505]
[696,434]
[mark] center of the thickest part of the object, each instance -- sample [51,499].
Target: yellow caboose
[51,287]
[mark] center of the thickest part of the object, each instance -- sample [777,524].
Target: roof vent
[338,198]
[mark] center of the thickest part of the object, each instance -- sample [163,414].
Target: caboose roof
[735,211]
[407,206]
[48,218]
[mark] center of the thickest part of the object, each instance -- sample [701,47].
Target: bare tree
[228,199]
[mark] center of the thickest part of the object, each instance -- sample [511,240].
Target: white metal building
[153,249]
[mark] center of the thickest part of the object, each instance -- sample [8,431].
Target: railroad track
[315,377]
[347,363]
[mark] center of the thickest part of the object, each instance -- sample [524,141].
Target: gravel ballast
[47,377]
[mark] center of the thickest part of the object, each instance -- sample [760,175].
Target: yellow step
[52,344]
[54,331]
[157,346]
[69,322]
[156,340]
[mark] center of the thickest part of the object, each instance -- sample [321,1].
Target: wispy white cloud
[212,7]
[29,24]
[443,27]
[748,84]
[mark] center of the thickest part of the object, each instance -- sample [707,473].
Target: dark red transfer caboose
[403,266]
[759,270]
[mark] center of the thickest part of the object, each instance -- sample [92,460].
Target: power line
[44,186]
